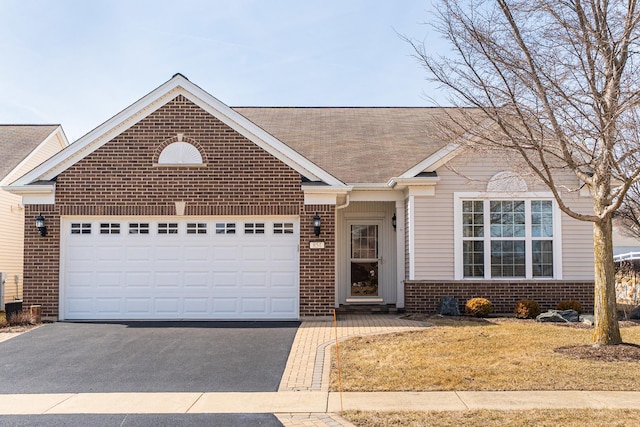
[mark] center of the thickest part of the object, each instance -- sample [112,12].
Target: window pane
[541,218]
[507,218]
[473,258]
[472,218]
[507,258]
[542,254]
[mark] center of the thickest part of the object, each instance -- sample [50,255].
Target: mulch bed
[605,353]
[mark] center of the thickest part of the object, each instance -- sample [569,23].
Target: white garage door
[213,268]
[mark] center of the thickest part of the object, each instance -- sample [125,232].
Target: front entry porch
[367,261]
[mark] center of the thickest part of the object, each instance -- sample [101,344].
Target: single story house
[22,147]
[181,207]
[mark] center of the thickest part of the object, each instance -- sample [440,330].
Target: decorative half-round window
[180,153]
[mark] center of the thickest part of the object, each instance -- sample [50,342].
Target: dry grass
[485,418]
[481,355]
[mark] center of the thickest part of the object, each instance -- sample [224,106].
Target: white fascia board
[44,194]
[375,195]
[323,195]
[401,183]
[177,85]
[434,161]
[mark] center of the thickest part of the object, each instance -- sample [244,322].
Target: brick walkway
[309,364]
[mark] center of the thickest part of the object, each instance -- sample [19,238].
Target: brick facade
[238,178]
[423,296]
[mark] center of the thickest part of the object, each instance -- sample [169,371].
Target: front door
[365,260]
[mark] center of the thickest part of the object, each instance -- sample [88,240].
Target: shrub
[527,309]
[478,307]
[3,320]
[570,305]
[20,319]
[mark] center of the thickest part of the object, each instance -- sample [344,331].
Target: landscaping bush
[3,320]
[570,305]
[478,307]
[527,309]
[21,318]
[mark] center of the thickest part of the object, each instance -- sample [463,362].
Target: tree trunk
[606,330]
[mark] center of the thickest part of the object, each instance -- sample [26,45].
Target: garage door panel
[254,280]
[139,254]
[80,306]
[198,306]
[225,305]
[81,253]
[167,279]
[218,273]
[109,253]
[108,279]
[254,305]
[141,305]
[287,253]
[137,279]
[283,305]
[254,252]
[168,306]
[196,279]
[108,305]
[79,279]
[223,253]
[283,279]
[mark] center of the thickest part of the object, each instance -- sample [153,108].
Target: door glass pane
[364,279]
[364,241]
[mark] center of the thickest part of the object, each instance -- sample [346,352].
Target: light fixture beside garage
[316,224]
[394,222]
[40,225]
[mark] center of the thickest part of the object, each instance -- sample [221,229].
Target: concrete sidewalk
[303,398]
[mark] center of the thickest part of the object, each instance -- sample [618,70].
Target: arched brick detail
[169,141]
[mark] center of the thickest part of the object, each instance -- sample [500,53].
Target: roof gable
[18,141]
[177,85]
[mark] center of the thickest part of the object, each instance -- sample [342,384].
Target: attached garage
[179,268]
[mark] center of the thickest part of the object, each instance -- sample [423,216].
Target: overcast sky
[79,62]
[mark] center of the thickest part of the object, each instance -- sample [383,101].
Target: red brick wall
[423,296]
[239,178]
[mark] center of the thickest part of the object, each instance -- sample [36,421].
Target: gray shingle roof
[359,144]
[17,141]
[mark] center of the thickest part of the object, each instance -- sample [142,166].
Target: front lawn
[484,418]
[481,355]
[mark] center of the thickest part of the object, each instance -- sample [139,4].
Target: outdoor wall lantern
[40,225]
[394,221]
[316,224]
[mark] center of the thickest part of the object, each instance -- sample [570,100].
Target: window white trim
[459,197]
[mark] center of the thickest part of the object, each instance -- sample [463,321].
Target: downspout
[345,204]
[336,262]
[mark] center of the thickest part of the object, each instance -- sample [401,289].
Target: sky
[79,62]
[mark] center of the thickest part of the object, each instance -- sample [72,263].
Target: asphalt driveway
[147,357]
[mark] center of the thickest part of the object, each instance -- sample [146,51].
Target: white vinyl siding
[433,224]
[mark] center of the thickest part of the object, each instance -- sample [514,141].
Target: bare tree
[627,218]
[559,81]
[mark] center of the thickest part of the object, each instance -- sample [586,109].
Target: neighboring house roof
[360,144]
[18,141]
